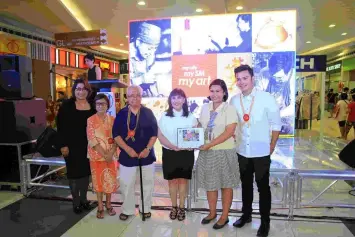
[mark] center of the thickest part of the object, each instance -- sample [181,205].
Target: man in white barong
[258,129]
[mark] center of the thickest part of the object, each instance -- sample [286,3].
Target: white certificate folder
[190,138]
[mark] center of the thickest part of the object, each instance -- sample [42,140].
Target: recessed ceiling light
[121,44]
[344,33]
[332,25]
[126,36]
[239,8]
[141,3]
[199,10]
[308,42]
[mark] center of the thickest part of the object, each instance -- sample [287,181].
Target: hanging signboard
[81,38]
[311,63]
[334,67]
[10,45]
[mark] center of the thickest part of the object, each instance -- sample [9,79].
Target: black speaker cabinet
[22,120]
[15,77]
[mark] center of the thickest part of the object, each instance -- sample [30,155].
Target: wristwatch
[148,148]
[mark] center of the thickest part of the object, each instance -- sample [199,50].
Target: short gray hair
[134,87]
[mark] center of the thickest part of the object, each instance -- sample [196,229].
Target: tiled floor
[160,225]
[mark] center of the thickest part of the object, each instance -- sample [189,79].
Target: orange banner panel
[194,73]
[72,59]
[10,45]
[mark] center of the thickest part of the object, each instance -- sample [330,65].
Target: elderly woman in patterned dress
[217,164]
[101,152]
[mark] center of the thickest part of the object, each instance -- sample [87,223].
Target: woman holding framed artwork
[217,164]
[177,163]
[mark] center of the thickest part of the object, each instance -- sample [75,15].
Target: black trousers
[261,167]
[79,189]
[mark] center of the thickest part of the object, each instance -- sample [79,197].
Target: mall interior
[302,52]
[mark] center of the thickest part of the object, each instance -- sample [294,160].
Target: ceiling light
[344,33]
[141,3]
[239,8]
[114,49]
[199,10]
[126,36]
[332,25]
[121,44]
[308,42]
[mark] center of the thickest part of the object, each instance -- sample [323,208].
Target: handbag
[46,143]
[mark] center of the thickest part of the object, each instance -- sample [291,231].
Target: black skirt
[177,164]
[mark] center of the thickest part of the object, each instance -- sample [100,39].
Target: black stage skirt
[177,164]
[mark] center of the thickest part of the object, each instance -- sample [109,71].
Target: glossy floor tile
[160,225]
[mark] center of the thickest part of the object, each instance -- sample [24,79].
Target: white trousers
[128,177]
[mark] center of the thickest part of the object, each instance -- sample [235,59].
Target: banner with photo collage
[190,52]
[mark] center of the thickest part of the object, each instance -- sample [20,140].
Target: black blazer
[66,122]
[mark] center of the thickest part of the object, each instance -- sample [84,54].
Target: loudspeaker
[347,154]
[22,120]
[47,143]
[15,77]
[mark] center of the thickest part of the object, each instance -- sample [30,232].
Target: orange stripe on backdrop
[194,73]
[11,45]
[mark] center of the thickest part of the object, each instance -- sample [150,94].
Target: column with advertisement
[181,52]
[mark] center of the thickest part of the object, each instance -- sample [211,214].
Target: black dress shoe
[242,221]
[217,226]
[77,210]
[206,221]
[263,229]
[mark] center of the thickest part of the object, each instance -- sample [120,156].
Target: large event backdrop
[190,52]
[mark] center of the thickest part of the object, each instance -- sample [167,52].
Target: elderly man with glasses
[135,130]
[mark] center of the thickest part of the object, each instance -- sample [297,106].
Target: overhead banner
[81,38]
[11,45]
[190,52]
[311,63]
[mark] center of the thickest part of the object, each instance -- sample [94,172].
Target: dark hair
[343,96]
[353,96]
[102,96]
[86,86]
[243,68]
[60,92]
[346,89]
[185,107]
[244,17]
[222,84]
[89,56]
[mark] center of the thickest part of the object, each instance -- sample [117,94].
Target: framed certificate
[190,138]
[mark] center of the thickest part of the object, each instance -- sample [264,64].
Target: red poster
[194,73]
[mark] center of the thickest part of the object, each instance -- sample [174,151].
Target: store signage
[311,63]
[10,45]
[104,65]
[335,67]
[81,38]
